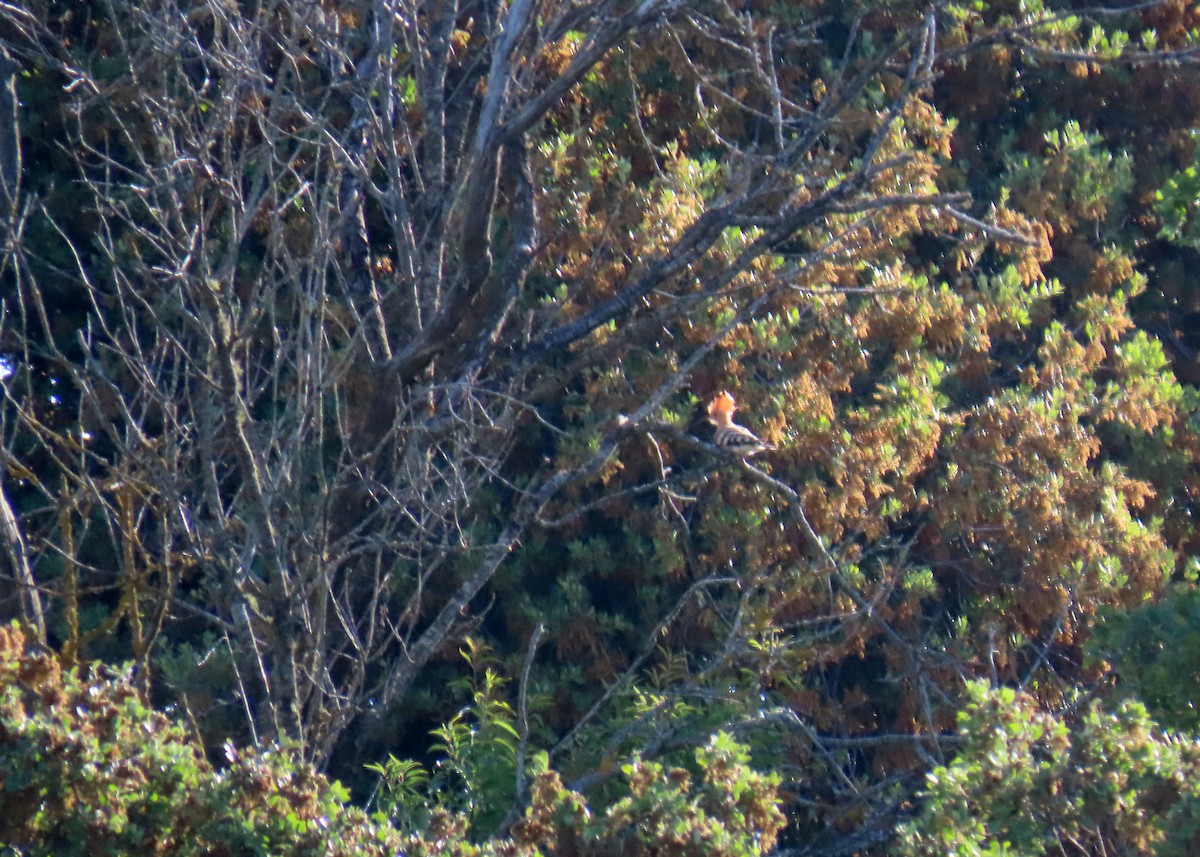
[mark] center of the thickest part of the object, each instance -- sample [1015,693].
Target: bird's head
[722,404]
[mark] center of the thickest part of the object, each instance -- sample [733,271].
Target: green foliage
[1177,203]
[1089,181]
[727,808]
[1027,782]
[1154,650]
[86,768]
[475,775]
[729,811]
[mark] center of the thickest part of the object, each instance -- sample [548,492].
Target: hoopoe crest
[730,435]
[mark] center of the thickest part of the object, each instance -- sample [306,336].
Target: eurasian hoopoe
[730,435]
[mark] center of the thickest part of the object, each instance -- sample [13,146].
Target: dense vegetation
[355,359]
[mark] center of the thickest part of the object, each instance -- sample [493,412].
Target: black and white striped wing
[738,439]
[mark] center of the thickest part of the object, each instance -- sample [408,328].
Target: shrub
[88,769]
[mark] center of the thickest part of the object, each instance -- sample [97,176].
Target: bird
[729,435]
